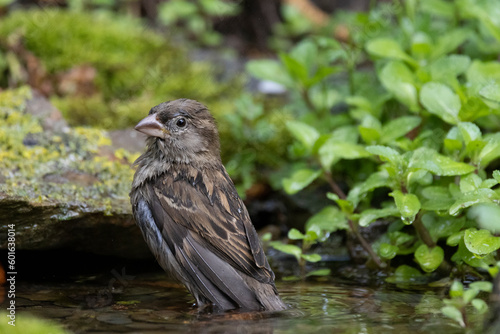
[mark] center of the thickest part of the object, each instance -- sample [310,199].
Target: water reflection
[148,304]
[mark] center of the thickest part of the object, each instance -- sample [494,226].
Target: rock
[60,187]
[128,139]
[71,226]
[50,117]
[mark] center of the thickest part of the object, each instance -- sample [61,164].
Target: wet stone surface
[148,303]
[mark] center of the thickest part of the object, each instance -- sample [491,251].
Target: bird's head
[183,131]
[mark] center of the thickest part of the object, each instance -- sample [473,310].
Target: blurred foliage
[195,18]
[460,298]
[27,324]
[108,71]
[412,141]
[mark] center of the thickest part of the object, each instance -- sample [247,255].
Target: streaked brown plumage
[191,215]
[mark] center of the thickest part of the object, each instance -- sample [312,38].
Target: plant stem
[335,187]
[425,236]
[367,247]
[423,233]
[307,99]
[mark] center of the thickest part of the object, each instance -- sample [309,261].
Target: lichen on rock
[63,188]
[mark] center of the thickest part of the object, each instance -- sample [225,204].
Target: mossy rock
[107,71]
[63,189]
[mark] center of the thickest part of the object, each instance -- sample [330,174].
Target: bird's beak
[151,127]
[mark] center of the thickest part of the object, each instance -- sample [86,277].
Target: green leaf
[453,140]
[320,74]
[489,152]
[311,257]
[270,70]
[304,133]
[470,182]
[449,42]
[456,289]
[345,205]
[170,12]
[438,164]
[295,234]
[481,74]
[407,204]
[496,175]
[399,127]
[491,92]
[429,259]
[473,260]
[295,69]
[397,78]
[405,274]
[386,152]
[388,48]
[469,295]
[299,180]
[481,242]
[441,101]
[438,7]
[219,8]
[375,180]
[469,131]
[287,249]
[455,239]
[370,215]
[306,52]
[437,198]
[333,150]
[471,198]
[266,237]
[482,286]
[442,226]
[449,67]
[399,238]
[329,219]
[319,272]
[387,251]
[453,313]
[480,305]
[487,216]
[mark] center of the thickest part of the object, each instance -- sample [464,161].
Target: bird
[191,216]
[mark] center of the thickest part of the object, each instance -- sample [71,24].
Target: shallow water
[150,304]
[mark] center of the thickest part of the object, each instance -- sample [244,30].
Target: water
[147,303]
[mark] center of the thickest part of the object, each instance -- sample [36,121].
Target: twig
[423,233]
[425,236]
[367,247]
[335,187]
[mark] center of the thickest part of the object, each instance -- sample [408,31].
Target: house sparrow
[191,215]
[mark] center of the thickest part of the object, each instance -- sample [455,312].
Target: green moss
[100,178]
[26,324]
[136,68]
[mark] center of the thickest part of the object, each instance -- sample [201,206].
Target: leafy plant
[196,17]
[460,299]
[412,142]
[317,229]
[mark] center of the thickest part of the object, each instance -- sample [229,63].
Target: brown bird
[191,216]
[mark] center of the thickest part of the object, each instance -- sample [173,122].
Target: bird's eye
[181,122]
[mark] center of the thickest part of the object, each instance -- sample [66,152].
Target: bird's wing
[213,216]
